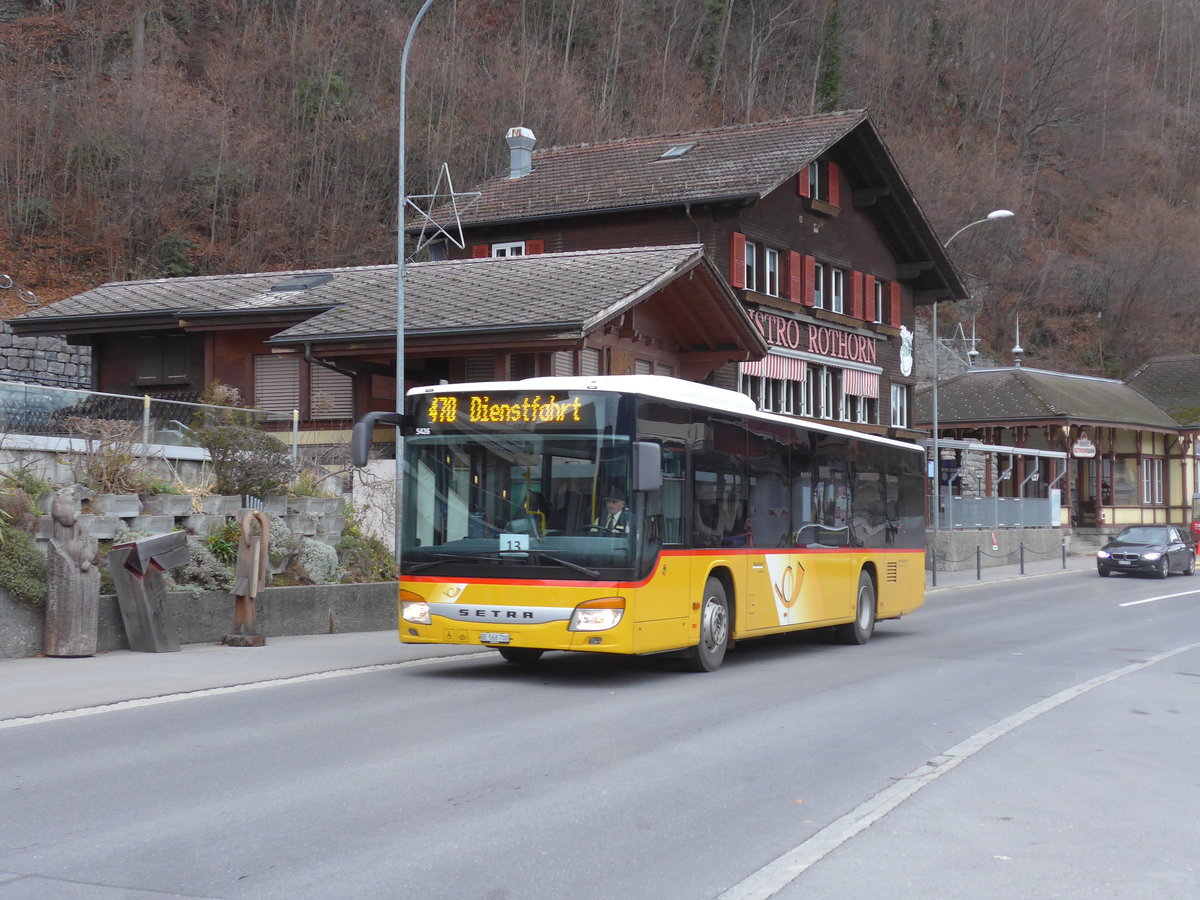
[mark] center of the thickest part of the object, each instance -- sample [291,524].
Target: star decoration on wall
[443,196]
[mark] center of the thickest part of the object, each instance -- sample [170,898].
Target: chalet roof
[1017,395]
[1172,383]
[735,164]
[554,292]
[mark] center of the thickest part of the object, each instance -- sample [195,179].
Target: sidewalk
[40,685]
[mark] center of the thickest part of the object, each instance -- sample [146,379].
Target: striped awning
[775,366]
[860,384]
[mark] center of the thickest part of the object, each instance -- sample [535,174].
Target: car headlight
[1151,555]
[597,615]
[415,611]
[1103,554]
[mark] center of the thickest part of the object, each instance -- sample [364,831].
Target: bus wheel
[707,655]
[523,655]
[860,630]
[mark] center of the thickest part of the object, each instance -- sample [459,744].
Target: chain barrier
[1007,558]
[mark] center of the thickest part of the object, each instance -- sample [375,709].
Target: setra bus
[638,514]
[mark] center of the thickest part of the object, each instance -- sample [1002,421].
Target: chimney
[520,145]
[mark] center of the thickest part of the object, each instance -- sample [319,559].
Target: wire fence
[28,409]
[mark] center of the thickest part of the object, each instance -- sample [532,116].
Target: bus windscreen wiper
[445,558]
[584,570]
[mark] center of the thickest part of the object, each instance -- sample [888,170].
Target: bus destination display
[541,410]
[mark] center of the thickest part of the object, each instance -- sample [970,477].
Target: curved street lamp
[993,216]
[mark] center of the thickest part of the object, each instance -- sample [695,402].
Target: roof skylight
[678,150]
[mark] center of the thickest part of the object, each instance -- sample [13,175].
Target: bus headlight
[597,615]
[415,611]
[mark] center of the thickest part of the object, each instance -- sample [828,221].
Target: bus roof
[661,387]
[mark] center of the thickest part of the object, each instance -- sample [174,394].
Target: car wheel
[525,656]
[708,654]
[1104,573]
[1164,569]
[860,630]
[1190,568]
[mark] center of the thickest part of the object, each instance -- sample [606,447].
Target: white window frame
[1153,487]
[818,285]
[772,273]
[837,291]
[751,266]
[880,294]
[808,396]
[512,248]
[899,405]
[818,185]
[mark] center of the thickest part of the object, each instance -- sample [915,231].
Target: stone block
[316,506]
[331,525]
[169,504]
[301,524]
[123,505]
[275,504]
[218,505]
[103,528]
[153,524]
[202,525]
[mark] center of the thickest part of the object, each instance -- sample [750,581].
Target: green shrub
[364,558]
[22,566]
[246,460]
[223,543]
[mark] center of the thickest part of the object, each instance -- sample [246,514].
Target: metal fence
[27,409]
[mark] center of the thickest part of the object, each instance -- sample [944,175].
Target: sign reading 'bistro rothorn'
[780,331]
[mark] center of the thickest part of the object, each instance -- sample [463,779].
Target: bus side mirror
[647,466]
[360,437]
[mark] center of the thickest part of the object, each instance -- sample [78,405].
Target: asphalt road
[1024,739]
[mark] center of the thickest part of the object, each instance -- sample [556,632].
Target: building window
[751,266]
[772,273]
[515,248]
[818,180]
[862,409]
[837,291]
[589,361]
[881,311]
[832,400]
[330,394]
[818,286]
[161,359]
[899,405]
[277,383]
[1152,481]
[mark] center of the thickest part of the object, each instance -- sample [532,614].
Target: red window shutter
[856,295]
[895,303]
[810,280]
[802,182]
[481,251]
[532,247]
[795,291]
[737,260]
[835,184]
[869,298]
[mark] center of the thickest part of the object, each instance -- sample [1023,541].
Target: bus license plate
[494,637]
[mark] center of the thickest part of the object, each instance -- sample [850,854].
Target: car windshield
[1143,534]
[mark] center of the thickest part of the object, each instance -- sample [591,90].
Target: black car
[1148,550]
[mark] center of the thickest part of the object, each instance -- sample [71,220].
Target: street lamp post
[937,456]
[402,201]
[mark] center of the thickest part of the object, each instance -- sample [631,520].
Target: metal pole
[402,201]
[937,455]
[978,562]
[1022,557]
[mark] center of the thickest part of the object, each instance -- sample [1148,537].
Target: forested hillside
[145,138]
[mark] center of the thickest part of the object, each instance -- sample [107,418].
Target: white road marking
[1163,597]
[228,689]
[783,870]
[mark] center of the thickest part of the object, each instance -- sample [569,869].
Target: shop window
[899,406]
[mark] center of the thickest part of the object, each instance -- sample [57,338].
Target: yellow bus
[645,515]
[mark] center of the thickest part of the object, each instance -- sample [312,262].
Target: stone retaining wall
[207,616]
[44,360]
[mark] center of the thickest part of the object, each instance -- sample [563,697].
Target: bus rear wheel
[522,655]
[707,655]
[860,630]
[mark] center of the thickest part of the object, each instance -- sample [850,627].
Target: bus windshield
[523,496]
